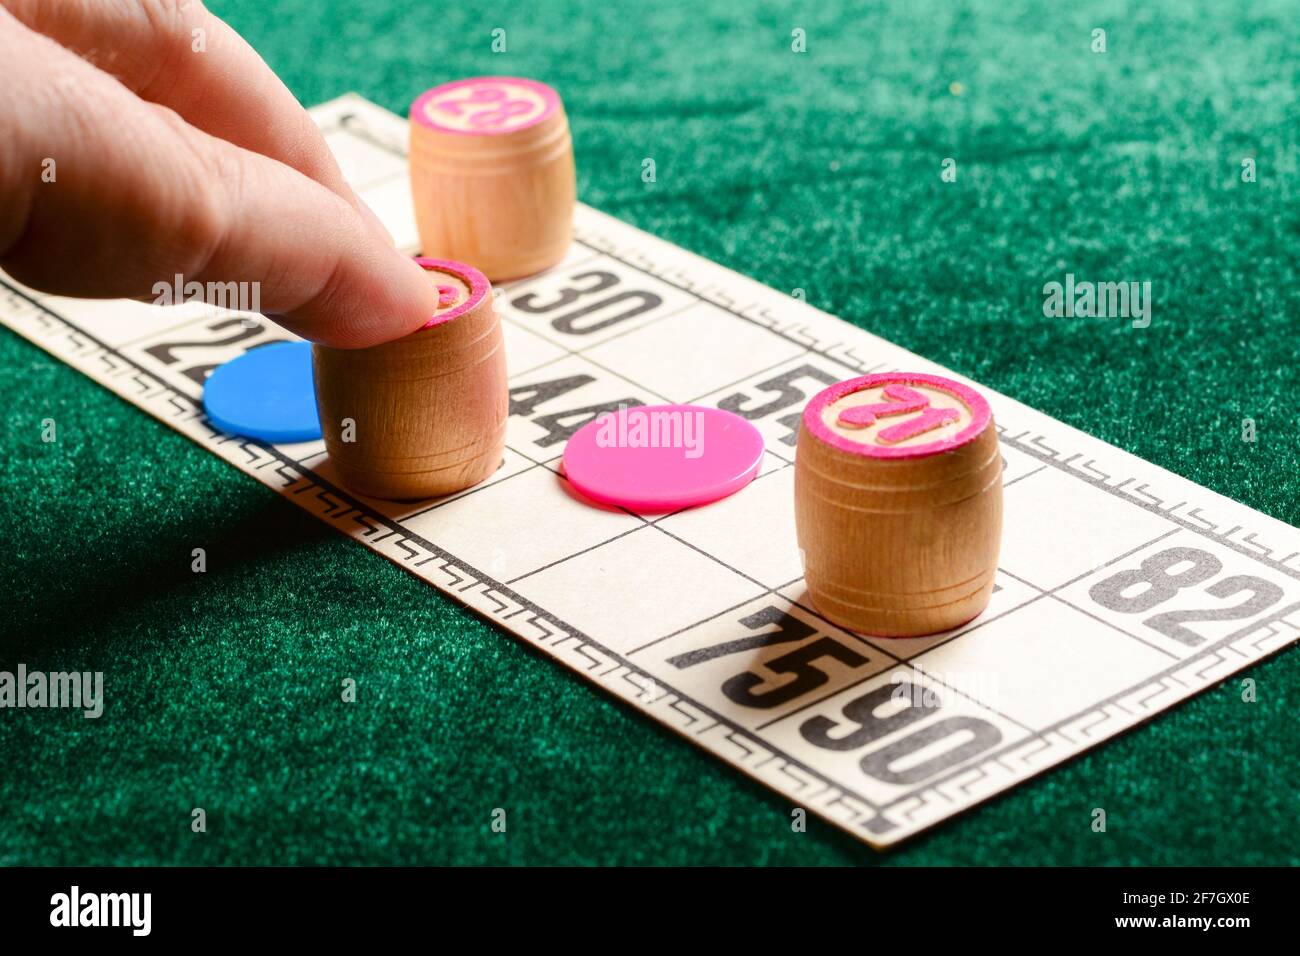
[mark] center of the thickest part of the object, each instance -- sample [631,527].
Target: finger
[139,196]
[177,54]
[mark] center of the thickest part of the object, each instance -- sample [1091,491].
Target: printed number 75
[800,662]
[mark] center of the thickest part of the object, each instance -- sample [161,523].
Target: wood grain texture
[898,544]
[428,410]
[500,198]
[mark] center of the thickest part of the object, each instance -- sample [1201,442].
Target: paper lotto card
[1121,589]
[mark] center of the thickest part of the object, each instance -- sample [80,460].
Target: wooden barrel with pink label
[424,415]
[898,503]
[492,175]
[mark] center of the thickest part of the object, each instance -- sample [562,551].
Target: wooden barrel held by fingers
[424,415]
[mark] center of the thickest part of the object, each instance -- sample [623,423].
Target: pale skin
[167,160]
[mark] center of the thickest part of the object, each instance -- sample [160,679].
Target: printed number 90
[973,735]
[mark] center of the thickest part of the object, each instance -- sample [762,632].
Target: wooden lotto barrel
[492,174]
[898,503]
[424,415]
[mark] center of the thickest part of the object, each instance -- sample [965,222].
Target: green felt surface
[818,171]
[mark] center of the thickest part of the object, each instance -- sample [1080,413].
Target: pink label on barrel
[897,415]
[485,105]
[901,401]
[460,288]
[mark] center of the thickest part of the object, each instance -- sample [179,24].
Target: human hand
[172,160]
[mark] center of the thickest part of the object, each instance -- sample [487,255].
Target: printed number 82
[1162,583]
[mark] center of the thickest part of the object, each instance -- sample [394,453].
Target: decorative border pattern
[821,335]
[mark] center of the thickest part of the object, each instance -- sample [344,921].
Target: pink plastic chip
[655,458]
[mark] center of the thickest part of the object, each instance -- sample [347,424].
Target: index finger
[141,196]
[178,54]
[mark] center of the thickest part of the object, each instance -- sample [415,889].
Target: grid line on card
[974,779]
[1097,479]
[569,354]
[1079,577]
[754,374]
[1116,698]
[483,486]
[712,557]
[540,365]
[568,557]
[1110,624]
[909,661]
[1035,447]
[809,346]
[705,620]
[1028,474]
[610,371]
[757,478]
[536,461]
[184,324]
[521,285]
[626,332]
[340,504]
[914,662]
